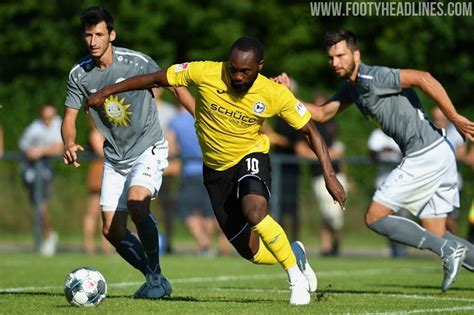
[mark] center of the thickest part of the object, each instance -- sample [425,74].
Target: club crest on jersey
[181,67]
[259,107]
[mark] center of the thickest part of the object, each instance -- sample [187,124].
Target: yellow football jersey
[228,123]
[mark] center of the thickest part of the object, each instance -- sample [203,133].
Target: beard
[349,71]
[243,87]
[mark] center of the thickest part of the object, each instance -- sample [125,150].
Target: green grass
[31,284]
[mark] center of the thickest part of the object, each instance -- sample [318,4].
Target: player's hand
[70,154]
[336,190]
[465,126]
[94,100]
[283,79]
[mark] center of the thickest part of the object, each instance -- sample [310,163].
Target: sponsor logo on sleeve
[300,108]
[181,67]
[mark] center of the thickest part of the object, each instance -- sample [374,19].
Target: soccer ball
[85,287]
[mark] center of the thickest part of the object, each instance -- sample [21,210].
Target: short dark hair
[332,38]
[94,15]
[249,43]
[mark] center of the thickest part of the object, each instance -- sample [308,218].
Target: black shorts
[250,176]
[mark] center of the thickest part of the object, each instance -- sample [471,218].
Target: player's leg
[468,262]
[113,201]
[224,192]
[145,182]
[114,229]
[432,175]
[405,231]
[379,218]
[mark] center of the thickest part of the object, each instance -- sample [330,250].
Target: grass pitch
[31,284]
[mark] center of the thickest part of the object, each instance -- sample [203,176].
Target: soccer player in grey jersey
[425,181]
[135,149]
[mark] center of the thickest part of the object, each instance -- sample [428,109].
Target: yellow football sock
[275,240]
[263,256]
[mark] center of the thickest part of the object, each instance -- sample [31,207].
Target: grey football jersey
[128,121]
[398,112]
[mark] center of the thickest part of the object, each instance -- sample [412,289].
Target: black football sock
[131,250]
[148,234]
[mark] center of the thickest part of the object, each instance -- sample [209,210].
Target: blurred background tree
[42,40]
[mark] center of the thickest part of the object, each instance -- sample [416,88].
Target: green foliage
[41,42]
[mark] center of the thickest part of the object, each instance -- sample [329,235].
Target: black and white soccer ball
[85,287]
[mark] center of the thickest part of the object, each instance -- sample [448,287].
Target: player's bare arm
[68,132]
[184,97]
[431,87]
[319,147]
[140,82]
[320,113]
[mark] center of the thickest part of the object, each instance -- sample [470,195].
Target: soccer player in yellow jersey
[232,103]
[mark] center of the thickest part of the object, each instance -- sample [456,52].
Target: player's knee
[113,235]
[254,208]
[138,209]
[376,212]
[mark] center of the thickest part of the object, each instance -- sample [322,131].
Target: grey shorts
[193,198]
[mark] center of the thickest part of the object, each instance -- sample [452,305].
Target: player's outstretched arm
[140,82]
[319,147]
[68,133]
[320,113]
[431,87]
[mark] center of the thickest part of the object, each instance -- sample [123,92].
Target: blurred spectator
[166,111]
[193,204]
[386,153]
[332,218]
[94,182]
[40,141]
[285,140]
[460,149]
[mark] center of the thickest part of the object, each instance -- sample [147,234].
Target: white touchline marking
[429,310]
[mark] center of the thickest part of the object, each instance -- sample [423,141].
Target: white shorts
[331,213]
[146,171]
[425,183]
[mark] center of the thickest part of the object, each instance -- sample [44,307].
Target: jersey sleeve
[151,66]
[75,95]
[185,74]
[386,81]
[343,95]
[292,110]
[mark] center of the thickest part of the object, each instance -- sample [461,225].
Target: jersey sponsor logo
[181,67]
[259,107]
[300,108]
[234,116]
[116,111]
